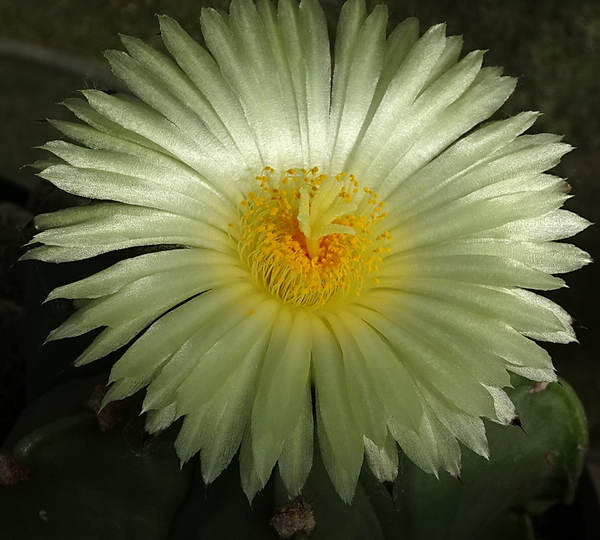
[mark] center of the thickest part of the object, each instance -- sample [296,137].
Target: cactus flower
[351,253]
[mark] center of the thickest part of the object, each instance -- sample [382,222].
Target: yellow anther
[308,243]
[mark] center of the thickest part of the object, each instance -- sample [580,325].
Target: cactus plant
[86,483]
[254,336]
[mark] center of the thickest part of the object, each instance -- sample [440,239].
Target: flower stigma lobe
[308,238]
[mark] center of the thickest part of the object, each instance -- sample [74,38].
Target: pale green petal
[226,419]
[505,409]
[160,419]
[447,448]
[124,272]
[251,484]
[447,59]
[296,456]
[169,80]
[565,334]
[341,443]
[209,344]
[153,348]
[262,51]
[458,159]
[482,335]
[245,60]
[468,429]
[191,432]
[138,118]
[464,217]
[394,386]
[203,71]
[551,258]
[498,303]
[364,386]
[280,393]
[125,296]
[351,99]
[244,343]
[422,113]
[83,232]
[514,161]
[102,124]
[152,89]
[403,90]
[126,387]
[111,339]
[147,297]
[286,70]
[103,185]
[306,43]
[130,159]
[481,269]
[426,366]
[554,225]
[397,47]
[485,95]
[432,448]
[439,327]
[420,447]
[383,461]
[352,17]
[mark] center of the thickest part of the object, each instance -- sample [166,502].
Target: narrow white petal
[160,419]
[354,97]
[468,429]
[457,385]
[153,348]
[83,232]
[505,409]
[402,91]
[341,443]
[227,418]
[251,483]
[130,159]
[140,119]
[554,225]
[421,114]
[115,277]
[295,461]
[245,343]
[383,461]
[363,384]
[280,393]
[102,124]
[205,336]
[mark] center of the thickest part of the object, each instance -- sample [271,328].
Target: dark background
[50,49]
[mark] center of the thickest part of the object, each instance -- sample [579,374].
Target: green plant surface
[85,485]
[529,470]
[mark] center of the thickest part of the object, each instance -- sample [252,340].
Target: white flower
[352,250]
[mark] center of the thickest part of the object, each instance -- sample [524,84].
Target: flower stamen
[309,238]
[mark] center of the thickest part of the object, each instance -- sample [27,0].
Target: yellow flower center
[308,238]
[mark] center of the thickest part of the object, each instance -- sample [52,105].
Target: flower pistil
[309,238]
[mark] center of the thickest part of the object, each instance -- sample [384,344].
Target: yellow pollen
[308,237]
